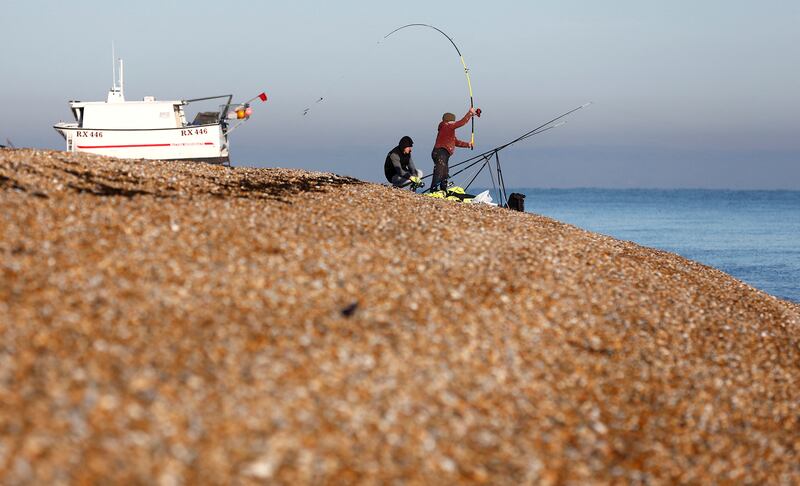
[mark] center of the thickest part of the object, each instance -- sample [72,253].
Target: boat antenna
[113,67]
[116,92]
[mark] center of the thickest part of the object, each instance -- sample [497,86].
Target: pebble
[182,323]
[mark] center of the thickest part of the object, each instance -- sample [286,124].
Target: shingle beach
[179,323]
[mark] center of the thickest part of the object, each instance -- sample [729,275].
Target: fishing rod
[477,174]
[466,72]
[477,159]
[485,158]
[544,125]
[490,153]
[540,129]
[544,130]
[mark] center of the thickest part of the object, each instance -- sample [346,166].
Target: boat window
[78,114]
[206,117]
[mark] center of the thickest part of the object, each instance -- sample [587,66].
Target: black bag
[516,201]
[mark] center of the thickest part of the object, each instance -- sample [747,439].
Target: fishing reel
[478,112]
[416,183]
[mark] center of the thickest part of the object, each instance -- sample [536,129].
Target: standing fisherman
[446,143]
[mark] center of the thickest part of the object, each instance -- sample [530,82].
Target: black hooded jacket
[399,163]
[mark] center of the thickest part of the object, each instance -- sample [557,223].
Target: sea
[752,235]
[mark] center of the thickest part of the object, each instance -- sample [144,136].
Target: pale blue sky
[686,93]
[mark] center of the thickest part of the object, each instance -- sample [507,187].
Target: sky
[685,94]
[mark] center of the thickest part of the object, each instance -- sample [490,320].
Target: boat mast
[113,67]
[116,94]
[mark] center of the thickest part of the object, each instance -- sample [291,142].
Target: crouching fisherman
[399,167]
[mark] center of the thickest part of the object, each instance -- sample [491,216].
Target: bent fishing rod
[466,72]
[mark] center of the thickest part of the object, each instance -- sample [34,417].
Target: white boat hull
[201,142]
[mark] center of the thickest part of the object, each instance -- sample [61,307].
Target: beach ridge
[190,323]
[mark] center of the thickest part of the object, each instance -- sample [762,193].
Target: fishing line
[463,64]
[365,57]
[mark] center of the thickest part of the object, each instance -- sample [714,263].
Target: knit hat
[448,117]
[406,142]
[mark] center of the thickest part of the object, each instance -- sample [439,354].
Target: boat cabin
[148,113]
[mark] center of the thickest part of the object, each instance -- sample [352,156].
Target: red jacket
[446,138]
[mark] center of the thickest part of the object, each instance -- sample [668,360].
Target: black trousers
[441,157]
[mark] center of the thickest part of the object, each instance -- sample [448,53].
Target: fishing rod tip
[587,104]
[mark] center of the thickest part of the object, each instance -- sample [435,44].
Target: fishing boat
[153,129]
